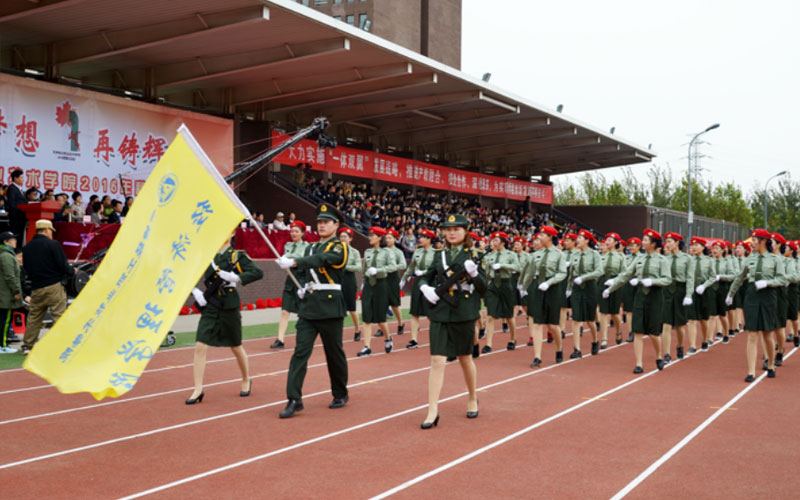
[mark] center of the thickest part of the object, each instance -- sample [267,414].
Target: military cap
[550,230]
[761,233]
[652,234]
[377,230]
[499,234]
[673,236]
[616,237]
[519,239]
[326,211]
[456,220]
[696,240]
[393,232]
[299,224]
[475,236]
[346,230]
[635,241]
[586,234]
[792,245]
[718,242]
[779,238]
[427,233]
[570,236]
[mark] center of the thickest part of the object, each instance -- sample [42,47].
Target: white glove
[285,262]
[430,293]
[402,284]
[718,278]
[700,289]
[471,267]
[523,294]
[229,276]
[372,271]
[647,282]
[578,280]
[606,293]
[496,266]
[301,292]
[609,282]
[569,292]
[687,301]
[419,272]
[362,287]
[568,263]
[199,298]
[544,286]
[761,284]
[728,301]
[634,282]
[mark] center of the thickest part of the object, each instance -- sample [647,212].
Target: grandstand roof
[278,60]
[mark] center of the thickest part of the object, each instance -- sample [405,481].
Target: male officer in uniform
[322,311]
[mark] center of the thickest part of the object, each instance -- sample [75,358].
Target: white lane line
[342,431]
[683,442]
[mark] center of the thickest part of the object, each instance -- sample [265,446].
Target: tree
[783,207]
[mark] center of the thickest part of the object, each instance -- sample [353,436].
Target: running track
[586,428]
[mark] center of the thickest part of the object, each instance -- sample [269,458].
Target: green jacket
[722,267]
[421,260]
[658,271]
[549,265]
[791,270]
[236,261]
[468,293]
[353,259]
[509,263]
[326,260]
[397,259]
[680,265]
[531,269]
[773,270]
[592,267]
[379,259]
[701,270]
[294,251]
[9,279]
[613,263]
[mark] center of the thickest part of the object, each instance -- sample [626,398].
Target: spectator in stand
[93,198]
[107,208]
[278,223]
[292,218]
[65,215]
[14,198]
[77,207]
[408,242]
[3,188]
[48,196]
[32,195]
[116,215]
[128,205]
[97,213]
[46,266]
[10,289]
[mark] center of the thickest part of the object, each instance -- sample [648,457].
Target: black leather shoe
[764,366]
[246,393]
[428,425]
[339,402]
[277,344]
[618,339]
[667,358]
[604,345]
[725,339]
[412,344]
[549,338]
[198,399]
[388,345]
[486,349]
[719,335]
[563,334]
[536,363]
[797,340]
[357,336]
[638,370]
[660,364]
[680,352]
[476,350]
[559,356]
[771,373]
[576,354]
[704,346]
[401,329]
[294,405]
[505,327]
[379,333]
[778,359]
[481,333]
[749,378]
[630,337]
[366,351]
[595,348]
[511,346]
[692,350]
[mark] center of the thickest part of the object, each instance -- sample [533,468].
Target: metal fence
[663,220]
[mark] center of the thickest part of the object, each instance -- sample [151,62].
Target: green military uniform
[760,306]
[523,258]
[289,299]
[421,261]
[738,299]
[648,302]
[396,263]
[500,296]
[349,283]
[551,268]
[733,270]
[613,264]
[322,311]
[586,265]
[681,288]
[628,291]
[221,323]
[565,303]
[721,285]
[375,294]
[793,277]
[700,268]
[452,328]
[528,282]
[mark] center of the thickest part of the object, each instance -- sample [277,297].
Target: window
[337,1]
[320,2]
[338,18]
[351,19]
[362,18]
[350,1]
[305,2]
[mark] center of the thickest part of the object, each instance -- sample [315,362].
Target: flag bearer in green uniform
[322,311]
[397,262]
[290,302]
[762,274]
[453,327]
[375,293]
[568,243]
[501,293]
[220,321]
[650,275]
[421,260]
[349,283]
[677,296]
[613,263]
[584,270]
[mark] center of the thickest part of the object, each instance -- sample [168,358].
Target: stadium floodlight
[691,143]
[765,194]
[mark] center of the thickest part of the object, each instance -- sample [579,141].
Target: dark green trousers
[330,330]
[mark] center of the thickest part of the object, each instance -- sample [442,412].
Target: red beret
[499,234]
[652,233]
[586,234]
[393,232]
[615,236]
[718,242]
[550,230]
[570,236]
[698,240]
[761,233]
[747,246]
[427,233]
[779,238]
[519,239]
[475,236]
[792,245]
[346,230]
[299,224]
[673,236]
[635,241]
[377,230]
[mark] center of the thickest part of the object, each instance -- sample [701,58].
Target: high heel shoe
[198,399]
[428,425]
[246,393]
[473,414]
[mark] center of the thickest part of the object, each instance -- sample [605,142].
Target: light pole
[765,194]
[691,143]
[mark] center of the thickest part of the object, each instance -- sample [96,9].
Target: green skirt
[760,308]
[533,301]
[349,290]
[549,305]
[289,299]
[452,339]
[612,304]
[782,309]
[374,301]
[700,310]
[393,288]
[628,293]
[418,301]
[514,282]
[648,311]
[220,327]
[500,301]
[675,313]
[793,298]
[584,301]
[720,294]
[738,299]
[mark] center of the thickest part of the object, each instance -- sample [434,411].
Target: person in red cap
[375,294]
[529,287]
[290,302]
[793,295]
[700,268]
[778,249]
[634,247]
[479,245]
[584,270]
[500,295]
[741,251]
[568,243]
[397,262]
[650,273]
[613,263]
[763,273]
[678,296]
[522,256]
[421,261]
[733,270]
[720,284]
[349,282]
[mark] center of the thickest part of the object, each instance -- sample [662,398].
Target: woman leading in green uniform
[421,260]
[584,270]
[453,326]
[349,282]
[290,302]
[501,293]
[375,295]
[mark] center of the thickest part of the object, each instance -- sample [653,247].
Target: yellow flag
[181,217]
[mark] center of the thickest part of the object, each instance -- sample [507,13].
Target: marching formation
[464,282]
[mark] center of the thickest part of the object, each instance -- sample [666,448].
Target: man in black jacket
[46,266]
[15,197]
